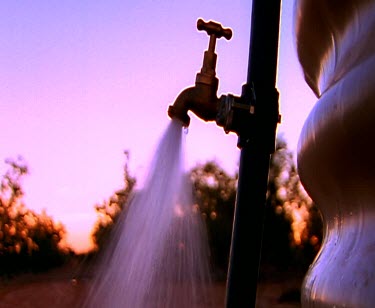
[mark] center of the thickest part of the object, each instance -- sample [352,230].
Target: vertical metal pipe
[257,145]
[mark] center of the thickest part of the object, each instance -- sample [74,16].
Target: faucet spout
[200,99]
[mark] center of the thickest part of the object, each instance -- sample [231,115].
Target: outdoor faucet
[202,99]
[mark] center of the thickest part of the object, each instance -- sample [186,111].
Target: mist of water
[158,255]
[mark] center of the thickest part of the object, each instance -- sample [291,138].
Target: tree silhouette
[215,193]
[293,225]
[28,241]
[109,211]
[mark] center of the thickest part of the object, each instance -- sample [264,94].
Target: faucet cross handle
[215,31]
[214,28]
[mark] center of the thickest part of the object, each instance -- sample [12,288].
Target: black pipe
[257,143]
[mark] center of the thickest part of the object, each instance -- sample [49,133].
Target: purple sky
[82,81]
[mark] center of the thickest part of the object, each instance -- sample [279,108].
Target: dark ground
[60,289]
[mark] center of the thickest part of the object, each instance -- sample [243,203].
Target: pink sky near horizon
[81,82]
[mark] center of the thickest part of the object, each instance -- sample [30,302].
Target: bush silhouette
[28,241]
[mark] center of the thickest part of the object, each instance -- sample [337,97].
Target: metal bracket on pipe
[247,117]
[230,108]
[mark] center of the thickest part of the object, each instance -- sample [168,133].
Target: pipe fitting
[230,110]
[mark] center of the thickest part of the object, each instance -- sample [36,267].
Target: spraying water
[158,255]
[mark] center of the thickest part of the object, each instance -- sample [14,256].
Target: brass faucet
[202,99]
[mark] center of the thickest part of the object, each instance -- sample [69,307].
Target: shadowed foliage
[293,225]
[109,211]
[28,241]
[215,193]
